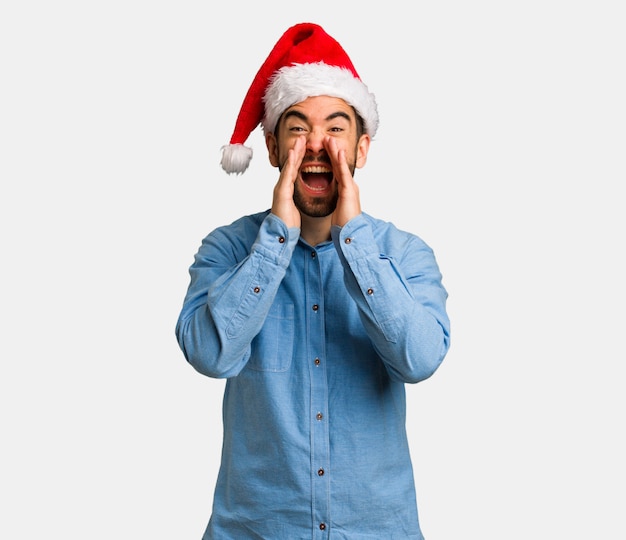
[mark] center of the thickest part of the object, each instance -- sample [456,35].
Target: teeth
[318,169]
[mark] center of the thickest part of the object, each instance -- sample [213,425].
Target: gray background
[501,144]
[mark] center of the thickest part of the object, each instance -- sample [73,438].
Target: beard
[315,206]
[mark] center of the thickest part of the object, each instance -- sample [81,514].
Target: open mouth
[316,177]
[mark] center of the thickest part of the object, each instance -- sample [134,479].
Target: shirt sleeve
[398,290]
[230,295]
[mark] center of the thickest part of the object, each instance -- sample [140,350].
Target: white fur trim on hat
[293,84]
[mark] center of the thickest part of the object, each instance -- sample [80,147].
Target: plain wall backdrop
[501,144]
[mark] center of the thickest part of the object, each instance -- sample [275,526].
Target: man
[317,314]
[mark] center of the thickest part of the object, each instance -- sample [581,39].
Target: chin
[316,209]
[315,206]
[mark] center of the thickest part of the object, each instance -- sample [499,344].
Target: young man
[317,314]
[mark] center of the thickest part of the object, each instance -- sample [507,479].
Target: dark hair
[360,124]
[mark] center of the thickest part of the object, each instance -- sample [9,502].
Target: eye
[337,129]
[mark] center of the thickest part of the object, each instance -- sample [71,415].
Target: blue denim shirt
[317,344]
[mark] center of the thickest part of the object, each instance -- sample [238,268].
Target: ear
[272,149]
[362,149]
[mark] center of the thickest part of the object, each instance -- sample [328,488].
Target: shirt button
[317,361]
[313,254]
[322,526]
[348,240]
[319,416]
[370,291]
[257,289]
[315,307]
[320,472]
[281,239]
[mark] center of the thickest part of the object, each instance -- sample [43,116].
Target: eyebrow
[298,114]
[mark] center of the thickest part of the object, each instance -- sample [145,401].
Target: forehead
[322,108]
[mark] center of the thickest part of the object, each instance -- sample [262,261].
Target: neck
[315,230]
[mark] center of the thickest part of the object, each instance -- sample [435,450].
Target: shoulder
[387,233]
[233,240]
[243,227]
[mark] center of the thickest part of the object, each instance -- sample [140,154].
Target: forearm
[229,298]
[400,298]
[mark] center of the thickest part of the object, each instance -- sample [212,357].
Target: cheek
[281,159]
[351,148]
[352,154]
[278,155]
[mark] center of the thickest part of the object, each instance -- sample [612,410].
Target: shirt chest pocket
[272,348]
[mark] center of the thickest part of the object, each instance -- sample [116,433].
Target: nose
[315,141]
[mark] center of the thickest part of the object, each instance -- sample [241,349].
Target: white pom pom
[236,158]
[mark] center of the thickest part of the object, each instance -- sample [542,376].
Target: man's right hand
[282,204]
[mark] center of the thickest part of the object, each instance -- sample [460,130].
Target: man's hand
[349,202]
[282,204]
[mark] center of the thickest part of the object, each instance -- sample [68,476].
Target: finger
[338,161]
[295,157]
[289,168]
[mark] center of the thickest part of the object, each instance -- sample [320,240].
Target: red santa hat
[305,62]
